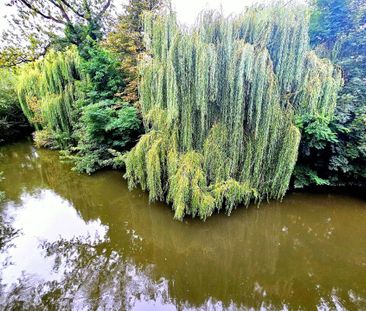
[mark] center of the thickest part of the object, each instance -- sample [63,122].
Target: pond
[79,242]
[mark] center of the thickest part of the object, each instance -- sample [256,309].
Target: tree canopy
[39,24]
[219,101]
[333,150]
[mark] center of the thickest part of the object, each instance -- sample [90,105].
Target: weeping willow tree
[218,102]
[47,91]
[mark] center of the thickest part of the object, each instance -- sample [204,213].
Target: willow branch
[39,12]
[67,4]
[104,9]
[62,10]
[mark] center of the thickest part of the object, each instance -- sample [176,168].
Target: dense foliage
[219,102]
[38,25]
[70,100]
[48,92]
[103,131]
[73,96]
[13,123]
[106,125]
[333,151]
[126,41]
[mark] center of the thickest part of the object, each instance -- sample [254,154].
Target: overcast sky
[187,10]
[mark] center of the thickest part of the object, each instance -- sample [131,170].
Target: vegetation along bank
[230,111]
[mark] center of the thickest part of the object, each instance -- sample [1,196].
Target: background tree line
[333,151]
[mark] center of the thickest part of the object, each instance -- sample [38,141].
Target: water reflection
[41,215]
[89,243]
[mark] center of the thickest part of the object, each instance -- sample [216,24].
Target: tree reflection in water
[304,253]
[94,277]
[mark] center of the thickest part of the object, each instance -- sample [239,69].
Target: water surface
[87,243]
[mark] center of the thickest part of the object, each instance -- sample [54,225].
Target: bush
[13,123]
[106,79]
[105,128]
[45,139]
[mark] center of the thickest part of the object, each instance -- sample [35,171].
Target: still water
[75,242]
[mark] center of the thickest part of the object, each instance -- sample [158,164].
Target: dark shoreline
[359,192]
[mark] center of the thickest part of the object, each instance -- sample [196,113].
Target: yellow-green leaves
[47,90]
[218,102]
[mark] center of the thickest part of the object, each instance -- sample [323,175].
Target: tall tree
[218,103]
[126,40]
[37,24]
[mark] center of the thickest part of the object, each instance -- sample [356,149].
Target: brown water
[87,243]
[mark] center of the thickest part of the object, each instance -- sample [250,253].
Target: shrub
[105,127]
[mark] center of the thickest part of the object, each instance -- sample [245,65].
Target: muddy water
[87,243]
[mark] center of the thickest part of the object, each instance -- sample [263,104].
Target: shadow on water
[88,243]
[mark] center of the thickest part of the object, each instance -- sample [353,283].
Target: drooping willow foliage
[47,90]
[218,102]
